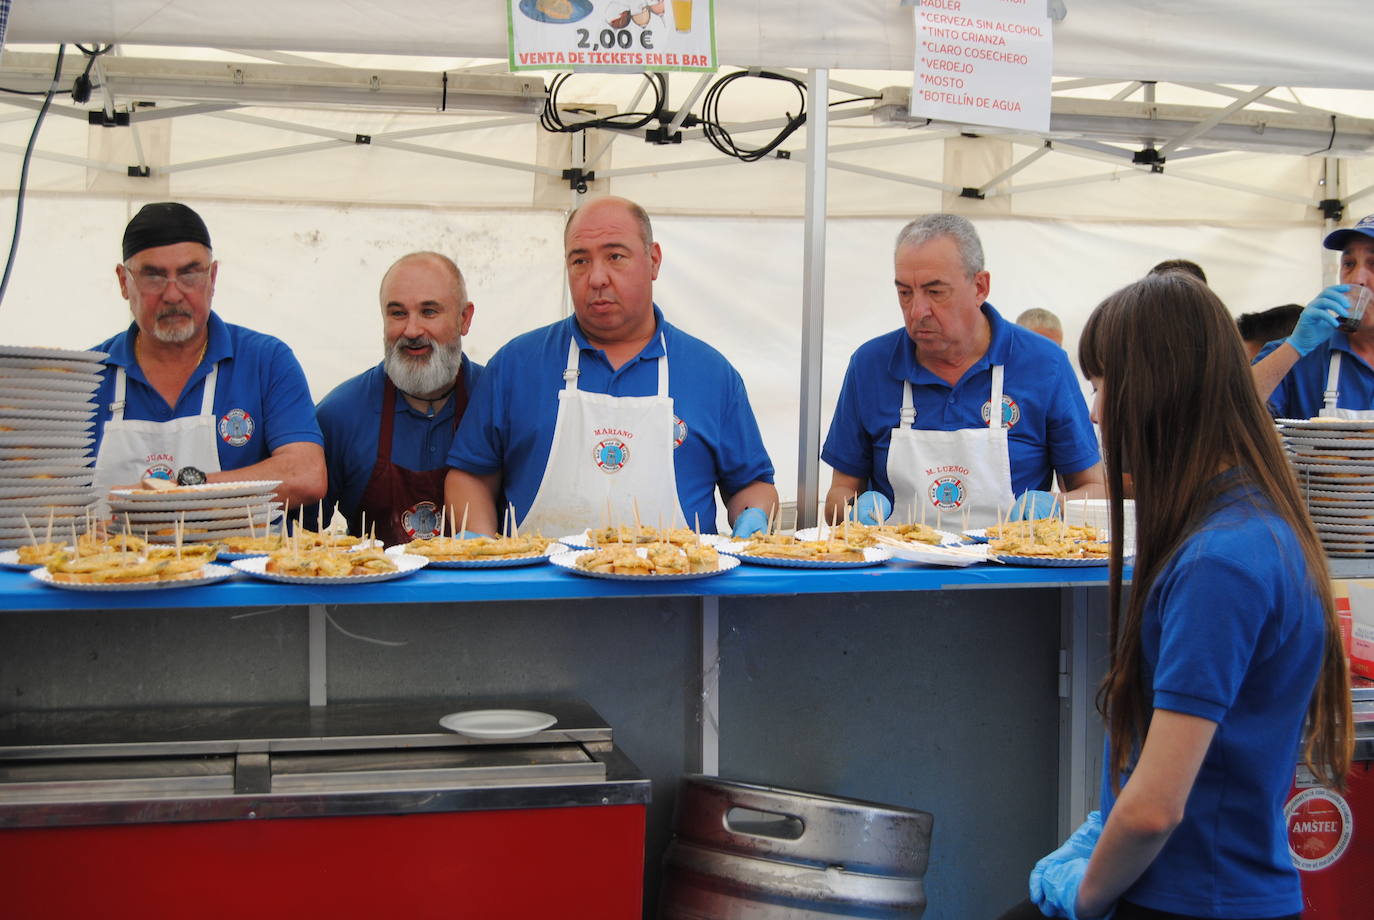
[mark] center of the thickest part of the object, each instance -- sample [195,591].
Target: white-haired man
[388,430]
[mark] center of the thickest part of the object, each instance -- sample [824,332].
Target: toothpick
[634,504]
[923,512]
[462,531]
[180,529]
[252,531]
[514,525]
[505,522]
[696,522]
[362,525]
[32,538]
[443,516]
[76,544]
[372,535]
[319,513]
[128,531]
[47,537]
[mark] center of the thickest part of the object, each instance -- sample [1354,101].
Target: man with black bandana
[387,431]
[186,394]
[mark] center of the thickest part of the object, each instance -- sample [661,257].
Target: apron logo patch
[159,468]
[679,432]
[236,428]
[421,520]
[947,492]
[610,455]
[1011,412]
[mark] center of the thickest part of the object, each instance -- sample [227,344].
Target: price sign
[612,36]
[984,62]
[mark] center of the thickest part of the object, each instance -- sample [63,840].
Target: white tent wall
[308,273]
[1244,41]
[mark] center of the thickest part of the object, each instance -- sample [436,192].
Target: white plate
[76,387]
[502,563]
[1339,514]
[22,439]
[64,456]
[207,490]
[42,490]
[497,723]
[1048,562]
[568,561]
[62,364]
[1302,424]
[257,567]
[938,555]
[9,559]
[65,354]
[873,555]
[159,515]
[1349,527]
[583,541]
[1308,439]
[821,533]
[42,401]
[25,417]
[211,574]
[190,504]
[32,499]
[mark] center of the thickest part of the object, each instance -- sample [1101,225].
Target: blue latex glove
[1319,318]
[872,508]
[1079,846]
[1057,895]
[749,522]
[1033,505]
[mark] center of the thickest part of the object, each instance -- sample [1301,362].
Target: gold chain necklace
[138,349]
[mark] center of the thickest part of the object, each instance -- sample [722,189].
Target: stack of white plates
[1334,459]
[47,415]
[204,513]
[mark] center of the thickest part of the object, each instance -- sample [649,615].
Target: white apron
[132,449]
[951,471]
[1329,410]
[607,448]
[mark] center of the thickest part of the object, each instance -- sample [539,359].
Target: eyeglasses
[192,279]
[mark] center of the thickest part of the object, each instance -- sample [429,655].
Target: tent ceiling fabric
[1314,43]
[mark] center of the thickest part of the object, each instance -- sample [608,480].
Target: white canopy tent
[1259,108]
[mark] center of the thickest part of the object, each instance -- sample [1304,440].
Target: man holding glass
[1326,365]
[186,396]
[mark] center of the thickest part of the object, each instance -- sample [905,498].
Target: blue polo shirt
[1049,425]
[510,419]
[350,418]
[1300,393]
[261,398]
[1241,645]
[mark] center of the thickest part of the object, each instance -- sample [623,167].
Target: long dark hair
[1179,406]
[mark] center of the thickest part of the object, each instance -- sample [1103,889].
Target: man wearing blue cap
[1326,365]
[187,396]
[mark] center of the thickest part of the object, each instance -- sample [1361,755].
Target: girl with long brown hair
[1226,657]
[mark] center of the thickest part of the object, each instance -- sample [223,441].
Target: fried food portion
[651,559]
[205,552]
[121,568]
[805,550]
[1044,530]
[329,540]
[867,534]
[40,553]
[475,549]
[678,536]
[245,545]
[328,563]
[1054,548]
[94,542]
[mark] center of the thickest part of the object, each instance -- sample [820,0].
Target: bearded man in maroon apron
[387,430]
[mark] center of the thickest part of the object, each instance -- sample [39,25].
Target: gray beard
[433,375]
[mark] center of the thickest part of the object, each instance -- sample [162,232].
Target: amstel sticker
[610,455]
[1319,828]
[1011,412]
[947,492]
[421,521]
[679,432]
[236,428]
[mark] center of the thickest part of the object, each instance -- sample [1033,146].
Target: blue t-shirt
[510,419]
[1300,394]
[261,398]
[1049,427]
[1239,644]
[350,418]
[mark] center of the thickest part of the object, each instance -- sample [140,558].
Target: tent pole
[813,297]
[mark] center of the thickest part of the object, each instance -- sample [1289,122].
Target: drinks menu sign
[984,62]
[612,36]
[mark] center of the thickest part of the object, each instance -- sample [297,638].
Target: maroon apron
[403,504]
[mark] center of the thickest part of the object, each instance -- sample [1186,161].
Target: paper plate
[61,354]
[46,385]
[946,554]
[1049,562]
[209,490]
[45,401]
[1301,424]
[568,562]
[257,567]
[39,439]
[497,723]
[237,516]
[583,540]
[873,555]
[191,504]
[821,533]
[1317,439]
[9,559]
[11,414]
[504,562]
[211,574]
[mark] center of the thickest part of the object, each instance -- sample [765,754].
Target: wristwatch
[190,476]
